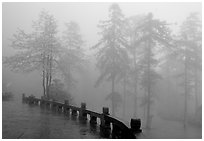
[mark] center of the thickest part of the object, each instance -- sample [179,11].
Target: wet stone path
[33,122]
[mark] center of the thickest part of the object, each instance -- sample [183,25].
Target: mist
[151,79]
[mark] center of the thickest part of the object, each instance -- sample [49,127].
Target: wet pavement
[33,122]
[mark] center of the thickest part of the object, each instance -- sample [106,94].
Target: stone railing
[117,130]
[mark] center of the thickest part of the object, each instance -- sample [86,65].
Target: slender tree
[134,50]
[58,91]
[189,54]
[72,58]
[111,51]
[153,34]
[37,50]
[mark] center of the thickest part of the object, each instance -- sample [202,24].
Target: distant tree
[58,91]
[189,54]
[134,50]
[38,50]
[126,83]
[72,59]
[152,35]
[111,53]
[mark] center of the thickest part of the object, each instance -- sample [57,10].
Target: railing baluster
[120,130]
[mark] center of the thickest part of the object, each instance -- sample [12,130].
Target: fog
[169,91]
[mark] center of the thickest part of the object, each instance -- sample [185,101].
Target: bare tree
[37,50]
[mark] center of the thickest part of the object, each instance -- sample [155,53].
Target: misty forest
[139,67]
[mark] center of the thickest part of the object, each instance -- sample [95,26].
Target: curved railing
[118,130]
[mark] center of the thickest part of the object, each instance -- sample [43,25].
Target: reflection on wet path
[34,122]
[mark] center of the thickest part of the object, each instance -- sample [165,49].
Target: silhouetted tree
[152,35]
[38,50]
[111,54]
[189,54]
[58,91]
[134,50]
[72,58]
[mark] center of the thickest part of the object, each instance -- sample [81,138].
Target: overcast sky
[87,15]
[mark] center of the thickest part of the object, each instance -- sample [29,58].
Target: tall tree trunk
[47,77]
[148,84]
[145,108]
[50,71]
[113,98]
[44,89]
[185,89]
[47,84]
[168,77]
[124,92]
[196,90]
[196,81]
[43,77]
[50,74]
[135,88]
[69,78]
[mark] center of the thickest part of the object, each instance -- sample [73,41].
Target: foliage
[111,52]
[115,97]
[58,91]
[37,50]
[72,58]
[189,46]
[111,55]
[152,34]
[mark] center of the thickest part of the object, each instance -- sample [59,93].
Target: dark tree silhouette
[134,50]
[72,58]
[153,34]
[58,91]
[189,54]
[111,54]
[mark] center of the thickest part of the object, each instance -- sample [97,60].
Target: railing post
[135,125]
[93,119]
[42,101]
[74,112]
[105,125]
[37,102]
[106,111]
[23,97]
[48,104]
[66,106]
[53,105]
[116,132]
[82,114]
[31,99]
[59,107]
[66,102]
